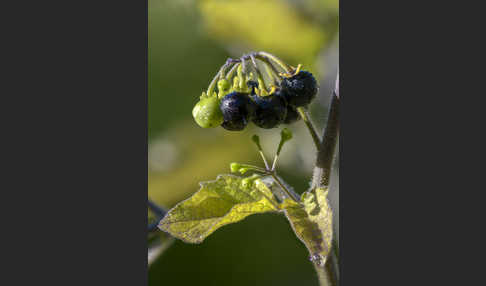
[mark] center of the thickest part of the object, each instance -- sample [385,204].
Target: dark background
[74,143]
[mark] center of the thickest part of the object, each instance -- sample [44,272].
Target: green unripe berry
[207,114]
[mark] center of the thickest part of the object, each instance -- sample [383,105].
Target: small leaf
[312,222]
[228,199]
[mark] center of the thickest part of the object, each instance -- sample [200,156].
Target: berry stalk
[232,71]
[261,82]
[218,76]
[269,63]
[281,63]
[310,126]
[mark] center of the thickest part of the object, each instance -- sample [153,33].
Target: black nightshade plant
[261,88]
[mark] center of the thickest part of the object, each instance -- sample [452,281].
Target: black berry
[270,110]
[292,115]
[300,89]
[237,111]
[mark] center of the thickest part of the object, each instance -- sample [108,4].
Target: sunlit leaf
[228,199]
[312,222]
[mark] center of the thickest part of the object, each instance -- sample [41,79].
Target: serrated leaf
[312,222]
[228,199]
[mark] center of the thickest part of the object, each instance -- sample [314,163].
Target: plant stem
[268,63]
[258,73]
[274,164]
[329,273]
[310,126]
[326,274]
[292,195]
[232,71]
[281,63]
[264,159]
[270,74]
[325,153]
[212,85]
[218,76]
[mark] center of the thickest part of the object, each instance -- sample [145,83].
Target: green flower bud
[247,182]
[235,167]
[286,134]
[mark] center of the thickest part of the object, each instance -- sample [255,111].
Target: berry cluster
[248,99]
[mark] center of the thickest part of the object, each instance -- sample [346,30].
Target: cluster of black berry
[280,106]
[248,100]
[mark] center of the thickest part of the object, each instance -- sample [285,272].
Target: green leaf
[312,222]
[228,199]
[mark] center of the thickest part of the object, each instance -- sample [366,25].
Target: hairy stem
[329,273]
[325,154]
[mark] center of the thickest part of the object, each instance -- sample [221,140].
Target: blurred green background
[188,41]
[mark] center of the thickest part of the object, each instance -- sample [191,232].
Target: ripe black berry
[270,110]
[237,111]
[292,115]
[300,88]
